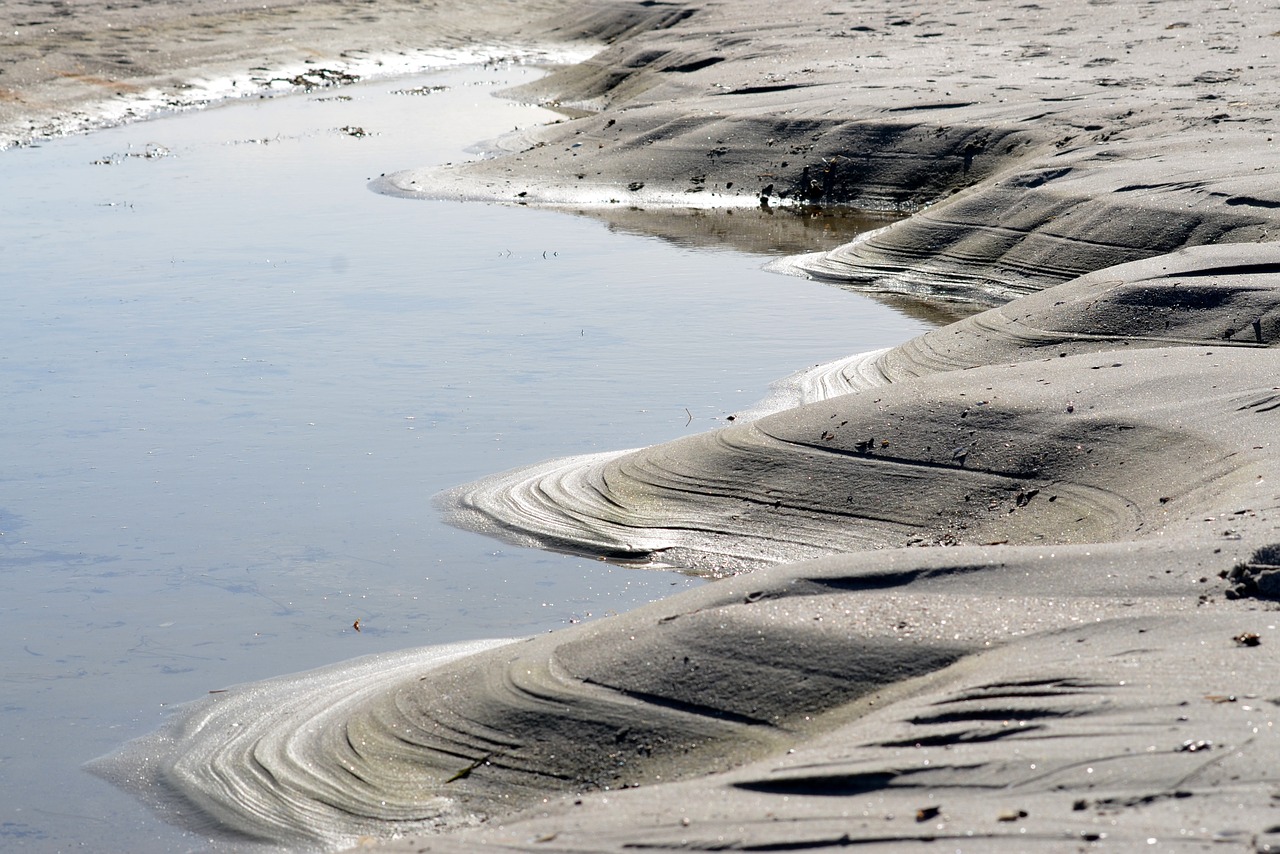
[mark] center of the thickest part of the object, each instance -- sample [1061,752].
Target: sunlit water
[233,378]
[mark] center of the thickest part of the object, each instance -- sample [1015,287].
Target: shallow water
[234,378]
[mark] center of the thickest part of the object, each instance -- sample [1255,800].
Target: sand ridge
[1053,418]
[1034,144]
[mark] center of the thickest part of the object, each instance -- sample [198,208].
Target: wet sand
[1081,655]
[73,66]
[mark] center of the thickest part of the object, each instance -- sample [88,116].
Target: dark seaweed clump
[1258,577]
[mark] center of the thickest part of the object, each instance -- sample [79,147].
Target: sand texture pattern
[1043,144]
[69,66]
[1008,586]
[1057,394]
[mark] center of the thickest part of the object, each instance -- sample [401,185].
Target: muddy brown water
[234,377]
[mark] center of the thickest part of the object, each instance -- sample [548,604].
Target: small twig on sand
[466,772]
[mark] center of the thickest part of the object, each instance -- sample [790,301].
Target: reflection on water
[234,378]
[772,232]
[763,231]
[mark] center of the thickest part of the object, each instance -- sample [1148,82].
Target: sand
[73,66]
[1008,586]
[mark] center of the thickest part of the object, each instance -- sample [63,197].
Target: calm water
[233,378]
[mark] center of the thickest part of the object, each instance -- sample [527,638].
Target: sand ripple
[440,737]
[1014,427]
[1134,403]
[297,760]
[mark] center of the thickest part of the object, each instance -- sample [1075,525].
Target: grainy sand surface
[68,65]
[1084,656]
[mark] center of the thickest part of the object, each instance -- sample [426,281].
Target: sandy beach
[1010,585]
[68,67]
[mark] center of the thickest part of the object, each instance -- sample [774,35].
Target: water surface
[234,377]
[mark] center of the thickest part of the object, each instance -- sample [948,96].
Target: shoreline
[135,104]
[1081,660]
[96,64]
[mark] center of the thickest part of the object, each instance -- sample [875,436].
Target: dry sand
[1087,663]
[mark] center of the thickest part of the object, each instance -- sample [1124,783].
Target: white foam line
[846,375]
[199,92]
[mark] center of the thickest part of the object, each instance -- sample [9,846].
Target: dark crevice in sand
[966,736]
[686,707]
[829,785]
[886,580]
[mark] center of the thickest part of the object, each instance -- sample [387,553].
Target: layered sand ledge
[1088,660]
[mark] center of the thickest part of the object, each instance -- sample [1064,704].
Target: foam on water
[355,65]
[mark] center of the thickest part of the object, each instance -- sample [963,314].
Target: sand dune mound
[1096,411]
[1208,295]
[444,736]
[1114,730]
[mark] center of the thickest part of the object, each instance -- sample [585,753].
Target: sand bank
[68,67]
[1085,663]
